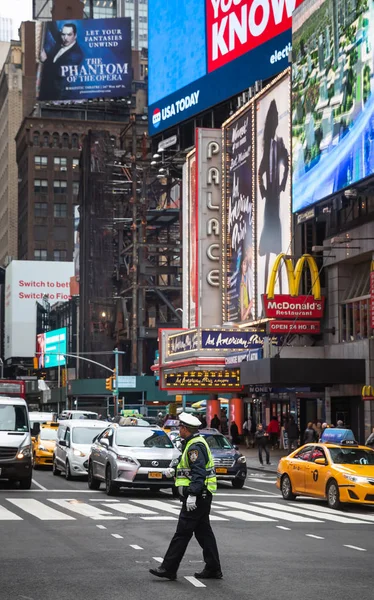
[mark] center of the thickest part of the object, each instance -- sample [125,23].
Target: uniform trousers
[193,522]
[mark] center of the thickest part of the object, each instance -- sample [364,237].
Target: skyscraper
[138,11]
[6,29]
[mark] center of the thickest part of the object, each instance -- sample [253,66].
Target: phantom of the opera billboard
[83,59]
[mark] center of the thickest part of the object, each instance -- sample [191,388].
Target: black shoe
[268,463]
[161,572]
[205,574]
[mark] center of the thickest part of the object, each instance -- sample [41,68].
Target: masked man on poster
[196,482]
[66,52]
[271,184]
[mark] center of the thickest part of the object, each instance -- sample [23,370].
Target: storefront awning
[286,372]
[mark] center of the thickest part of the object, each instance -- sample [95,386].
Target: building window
[59,255]
[75,164]
[60,211]
[40,186]
[355,308]
[75,141]
[60,163]
[41,209]
[36,139]
[59,187]
[40,254]
[46,139]
[65,140]
[40,162]
[56,140]
[75,188]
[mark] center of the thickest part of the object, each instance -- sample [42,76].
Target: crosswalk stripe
[259,480]
[159,518]
[277,514]
[325,509]
[243,516]
[86,510]
[157,504]
[39,510]
[309,512]
[129,509]
[7,515]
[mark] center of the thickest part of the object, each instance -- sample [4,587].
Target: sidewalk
[253,463]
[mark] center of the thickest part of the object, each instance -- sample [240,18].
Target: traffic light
[36,362]
[109,383]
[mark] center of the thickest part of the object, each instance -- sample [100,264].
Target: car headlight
[355,478]
[24,451]
[78,453]
[242,459]
[42,448]
[127,459]
[174,463]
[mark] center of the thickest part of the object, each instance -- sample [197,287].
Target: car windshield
[352,456]
[218,442]
[48,434]
[141,438]
[84,415]
[85,435]
[13,418]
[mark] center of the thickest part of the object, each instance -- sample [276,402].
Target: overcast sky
[18,10]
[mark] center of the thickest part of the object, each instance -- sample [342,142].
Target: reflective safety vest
[184,471]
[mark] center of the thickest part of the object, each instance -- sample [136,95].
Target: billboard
[238,264]
[51,348]
[190,266]
[273,182]
[83,59]
[26,282]
[333,103]
[212,51]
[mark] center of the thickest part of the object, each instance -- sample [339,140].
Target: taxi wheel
[286,488]
[110,487]
[333,497]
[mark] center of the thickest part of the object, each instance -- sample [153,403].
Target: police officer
[196,482]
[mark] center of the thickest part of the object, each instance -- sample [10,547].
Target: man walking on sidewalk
[262,439]
[196,482]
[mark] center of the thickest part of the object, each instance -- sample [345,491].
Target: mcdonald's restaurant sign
[293,305]
[367,392]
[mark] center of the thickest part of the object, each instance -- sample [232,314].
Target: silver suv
[131,456]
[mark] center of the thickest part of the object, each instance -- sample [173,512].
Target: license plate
[221,470]
[154,475]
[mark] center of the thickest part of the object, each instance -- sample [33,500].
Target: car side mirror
[63,443]
[104,442]
[321,461]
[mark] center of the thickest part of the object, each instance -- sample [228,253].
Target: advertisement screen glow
[213,50]
[333,103]
[51,348]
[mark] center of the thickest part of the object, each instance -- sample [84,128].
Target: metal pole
[134,328]
[116,391]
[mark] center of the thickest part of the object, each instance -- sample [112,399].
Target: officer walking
[196,482]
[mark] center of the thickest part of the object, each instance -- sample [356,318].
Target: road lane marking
[41,487]
[355,548]
[7,515]
[159,518]
[39,510]
[117,536]
[158,559]
[136,547]
[282,527]
[103,500]
[316,537]
[130,509]
[247,487]
[243,516]
[194,581]
[101,526]
[277,514]
[158,505]
[325,509]
[258,480]
[309,512]
[86,510]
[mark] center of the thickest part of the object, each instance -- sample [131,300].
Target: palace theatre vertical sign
[202,232]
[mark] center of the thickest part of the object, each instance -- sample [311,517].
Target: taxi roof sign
[338,436]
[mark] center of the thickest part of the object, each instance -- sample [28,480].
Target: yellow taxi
[171,425]
[337,469]
[44,444]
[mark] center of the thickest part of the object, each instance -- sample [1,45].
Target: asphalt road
[61,541]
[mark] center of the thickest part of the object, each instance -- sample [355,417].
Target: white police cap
[189,420]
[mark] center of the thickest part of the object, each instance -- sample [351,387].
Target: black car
[230,464]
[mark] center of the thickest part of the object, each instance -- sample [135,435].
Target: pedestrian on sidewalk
[293,434]
[262,440]
[196,483]
[234,432]
[215,422]
[310,435]
[273,431]
[247,430]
